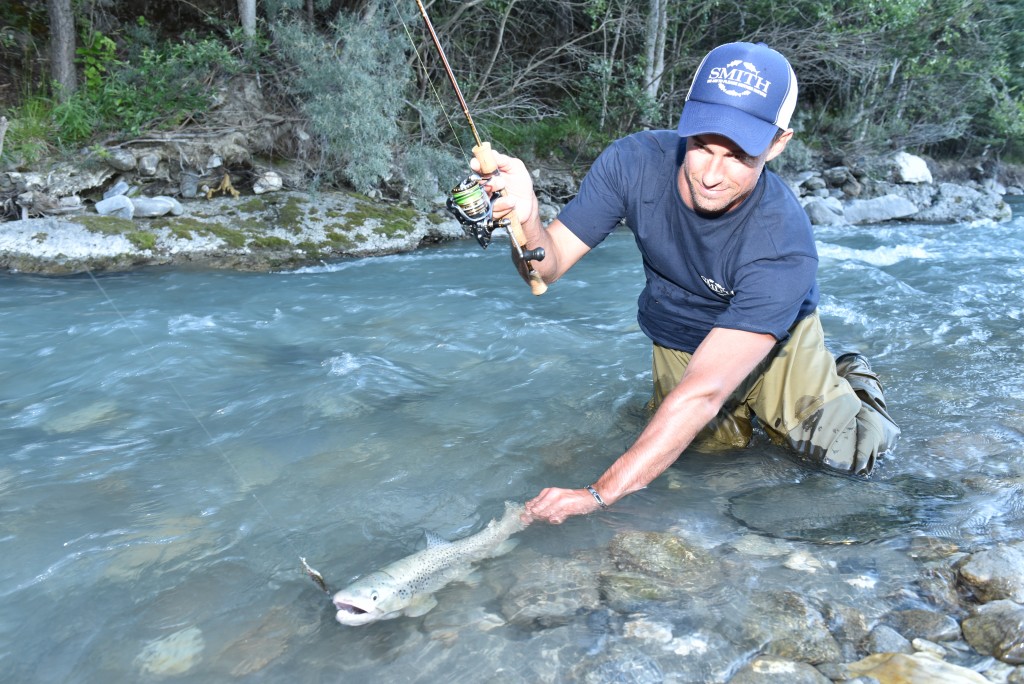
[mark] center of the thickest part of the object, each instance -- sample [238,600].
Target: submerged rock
[923,624]
[769,670]
[655,566]
[997,629]
[785,625]
[917,668]
[550,591]
[995,574]
[827,510]
[172,655]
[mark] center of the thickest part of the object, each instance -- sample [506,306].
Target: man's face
[717,175]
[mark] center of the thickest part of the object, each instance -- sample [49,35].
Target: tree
[654,67]
[62,48]
[247,17]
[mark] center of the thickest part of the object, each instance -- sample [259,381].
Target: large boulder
[878,209]
[907,168]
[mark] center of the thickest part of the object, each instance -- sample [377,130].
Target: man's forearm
[670,431]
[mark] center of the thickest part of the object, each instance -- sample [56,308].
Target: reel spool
[469,204]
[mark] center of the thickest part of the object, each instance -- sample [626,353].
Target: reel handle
[488,167]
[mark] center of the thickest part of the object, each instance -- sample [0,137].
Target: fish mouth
[349,613]
[349,608]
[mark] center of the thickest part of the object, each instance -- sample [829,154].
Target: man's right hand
[554,505]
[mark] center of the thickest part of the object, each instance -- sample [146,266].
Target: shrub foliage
[551,77]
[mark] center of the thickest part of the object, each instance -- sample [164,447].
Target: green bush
[351,88]
[565,138]
[158,88]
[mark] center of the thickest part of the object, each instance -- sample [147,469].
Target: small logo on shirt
[717,289]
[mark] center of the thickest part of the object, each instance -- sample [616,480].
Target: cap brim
[752,134]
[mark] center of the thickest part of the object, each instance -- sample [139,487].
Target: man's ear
[778,145]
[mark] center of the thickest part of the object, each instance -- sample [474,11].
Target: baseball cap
[743,91]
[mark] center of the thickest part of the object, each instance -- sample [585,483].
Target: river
[175,440]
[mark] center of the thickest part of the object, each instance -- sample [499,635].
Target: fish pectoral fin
[473,578]
[505,546]
[421,605]
[434,540]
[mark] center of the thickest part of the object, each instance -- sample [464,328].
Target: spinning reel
[470,205]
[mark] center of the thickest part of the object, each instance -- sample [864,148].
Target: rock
[908,168]
[188,184]
[995,574]
[822,212]
[629,666]
[785,625]
[878,209]
[150,207]
[950,202]
[852,188]
[268,181]
[919,668]
[62,180]
[837,176]
[39,203]
[923,624]
[997,629]
[769,670]
[173,655]
[148,164]
[550,591]
[116,205]
[118,188]
[885,639]
[119,159]
[812,184]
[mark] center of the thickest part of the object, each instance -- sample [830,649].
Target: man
[731,294]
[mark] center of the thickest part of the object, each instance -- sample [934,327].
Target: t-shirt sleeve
[601,202]
[770,294]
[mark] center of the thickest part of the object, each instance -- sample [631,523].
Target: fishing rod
[468,202]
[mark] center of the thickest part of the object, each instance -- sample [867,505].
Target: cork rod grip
[488,167]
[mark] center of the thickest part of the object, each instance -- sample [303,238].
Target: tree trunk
[62,47]
[657,26]
[247,17]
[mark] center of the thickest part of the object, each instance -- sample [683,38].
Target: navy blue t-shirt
[753,268]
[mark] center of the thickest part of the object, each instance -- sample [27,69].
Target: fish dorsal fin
[434,540]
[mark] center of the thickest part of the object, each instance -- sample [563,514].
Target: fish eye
[374,596]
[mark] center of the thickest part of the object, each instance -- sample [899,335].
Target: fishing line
[192,412]
[430,81]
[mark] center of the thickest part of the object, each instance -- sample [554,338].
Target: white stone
[269,181]
[150,207]
[910,169]
[117,205]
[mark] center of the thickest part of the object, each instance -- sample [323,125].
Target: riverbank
[252,221]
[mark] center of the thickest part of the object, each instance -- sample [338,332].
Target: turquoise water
[175,440]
